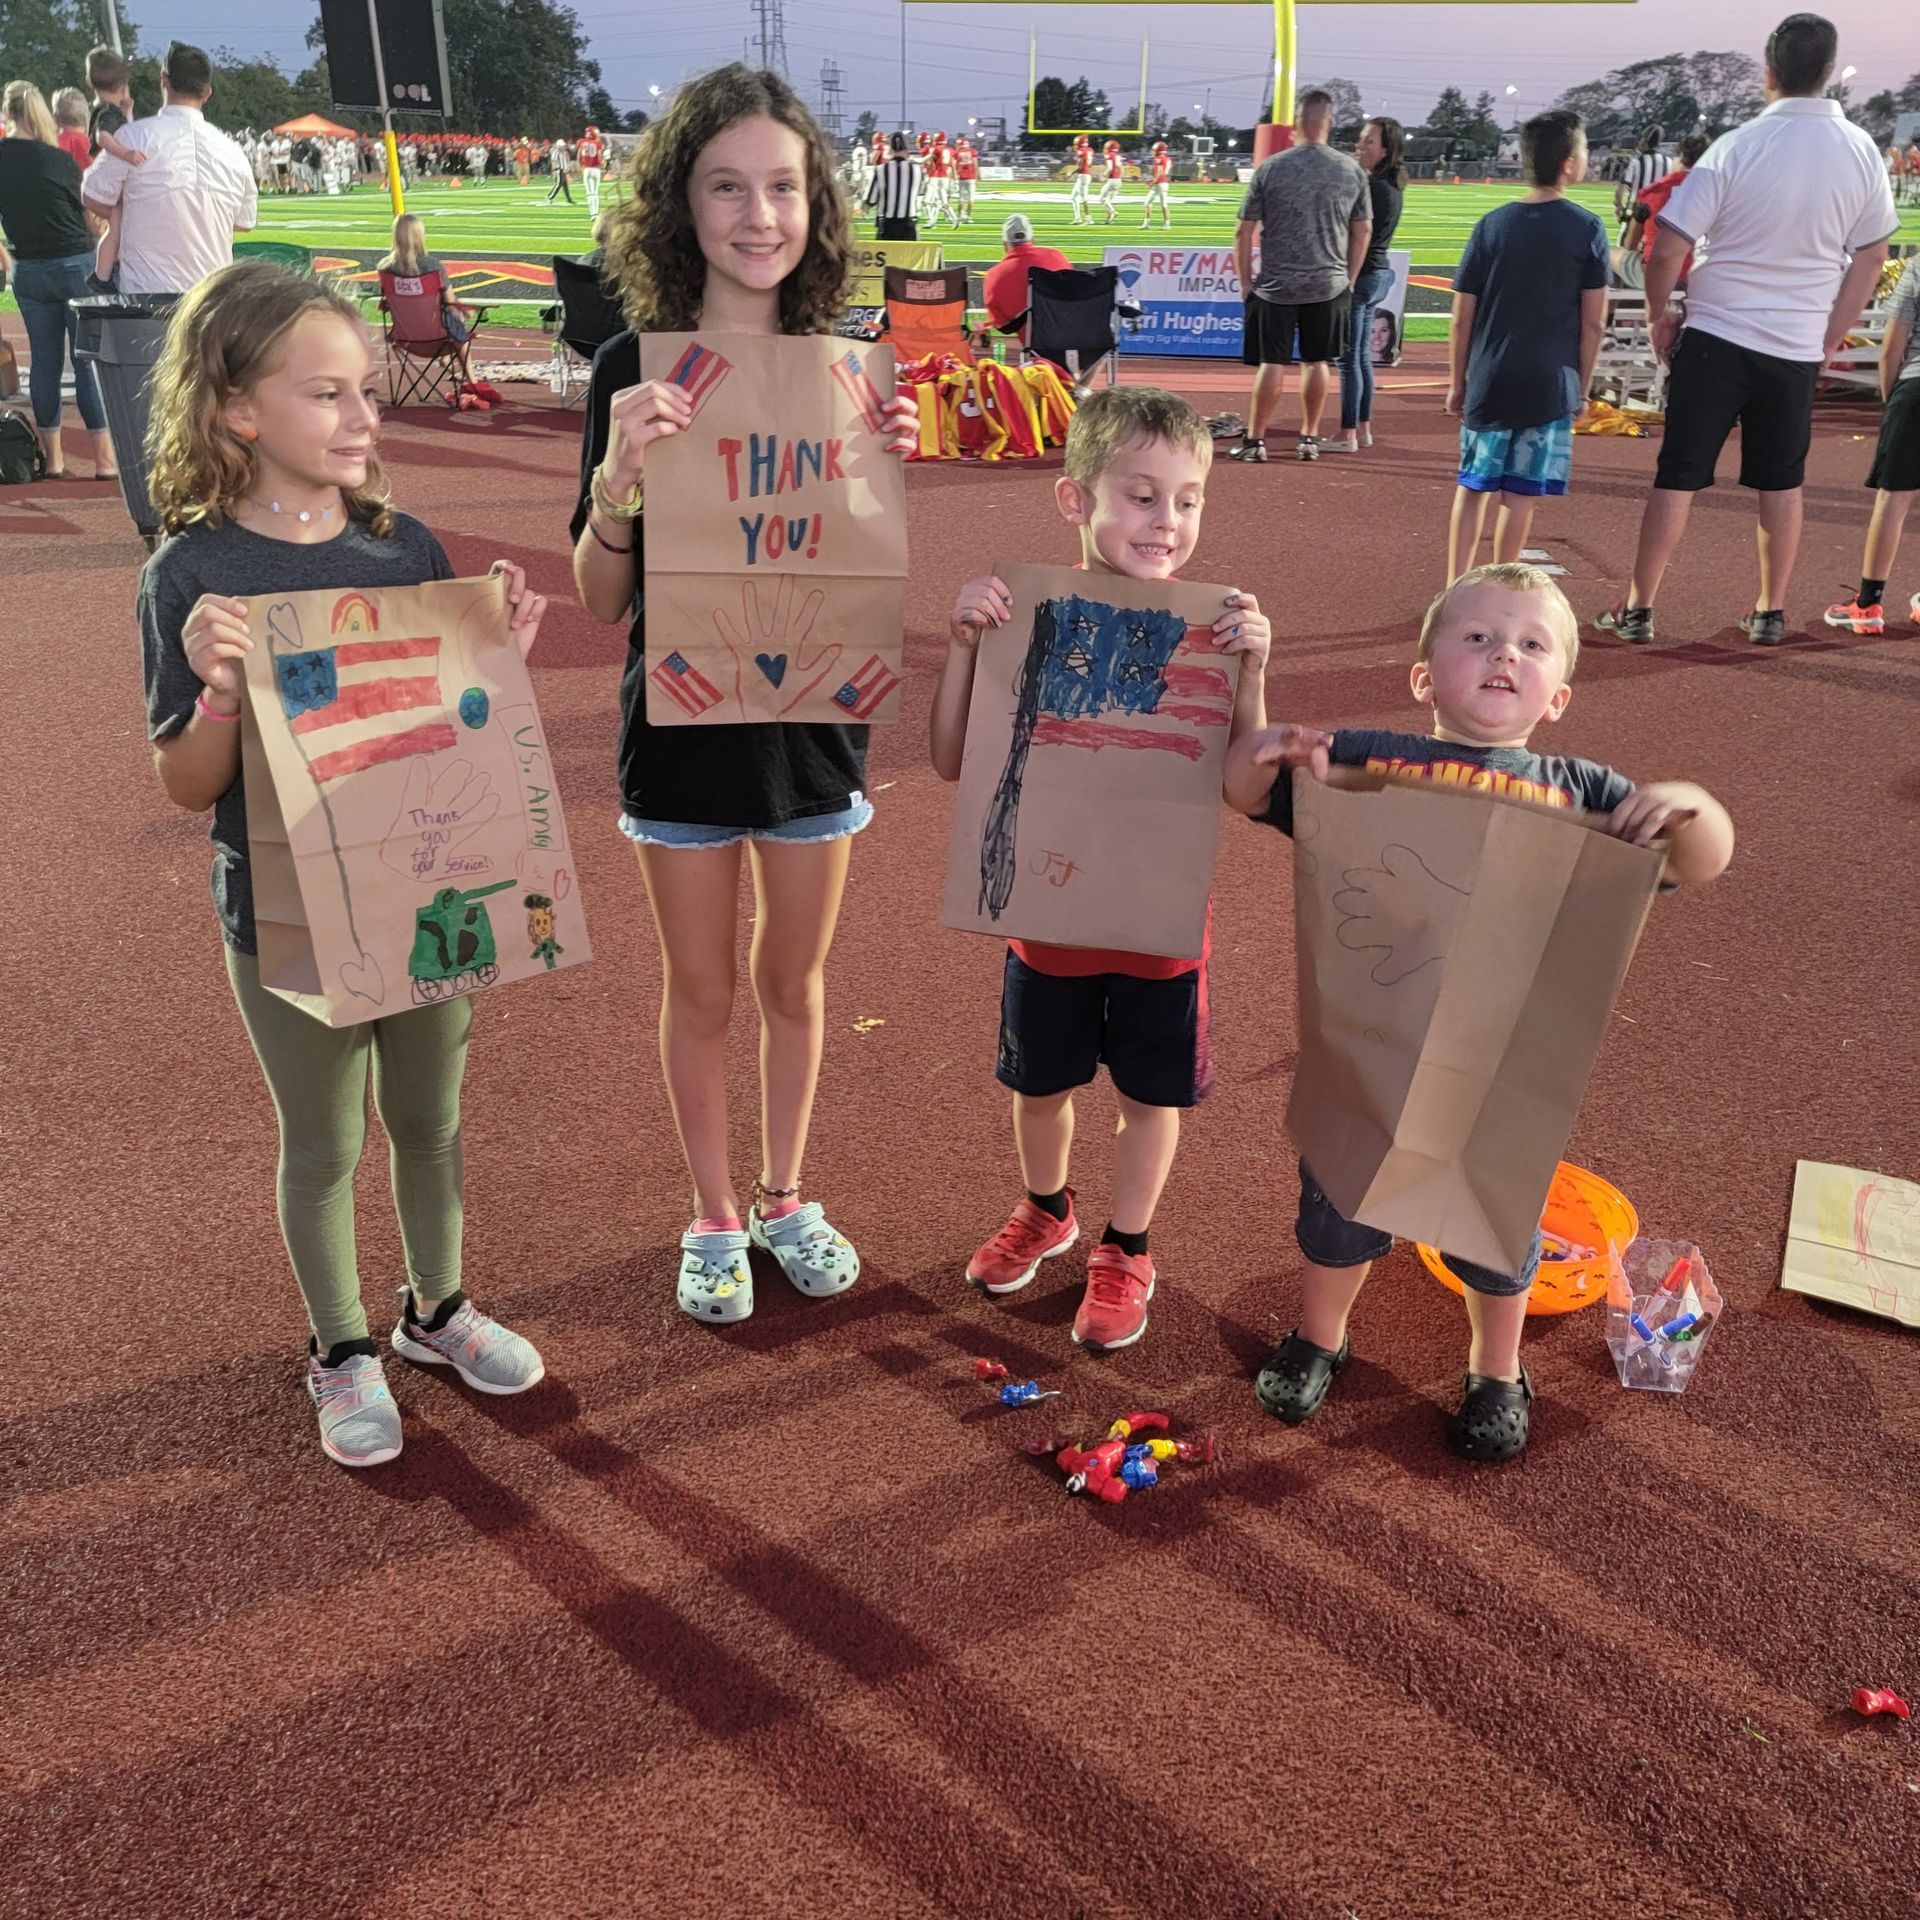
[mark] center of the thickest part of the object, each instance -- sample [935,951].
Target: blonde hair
[409,244]
[1120,417]
[1517,577]
[70,107]
[223,338]
[26,110]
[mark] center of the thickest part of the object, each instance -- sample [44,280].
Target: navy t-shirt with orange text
[1518,772]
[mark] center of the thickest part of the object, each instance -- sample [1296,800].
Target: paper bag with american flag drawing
[408,844]
[775,534]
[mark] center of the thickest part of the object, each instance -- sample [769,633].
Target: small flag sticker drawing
[685,685]
[347,707]
[860,390]
[869,687]
[700,371]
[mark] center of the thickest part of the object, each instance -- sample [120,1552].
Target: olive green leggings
[318,1078]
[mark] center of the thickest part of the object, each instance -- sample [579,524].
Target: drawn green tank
[453,938]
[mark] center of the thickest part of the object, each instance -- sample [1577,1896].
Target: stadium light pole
[112,15]
[903,66]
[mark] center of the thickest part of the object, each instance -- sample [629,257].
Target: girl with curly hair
[264,422]
[736,224]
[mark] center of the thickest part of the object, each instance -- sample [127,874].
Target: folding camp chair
[1070,320]
[927,313]
[417,339]
[586,318]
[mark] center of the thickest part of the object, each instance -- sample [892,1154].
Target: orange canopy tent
[315,126]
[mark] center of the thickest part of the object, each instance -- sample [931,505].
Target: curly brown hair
[653,254]
[221,339]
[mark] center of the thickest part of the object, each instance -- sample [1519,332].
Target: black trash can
[122,333]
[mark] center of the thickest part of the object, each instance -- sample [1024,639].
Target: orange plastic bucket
[1583,1214]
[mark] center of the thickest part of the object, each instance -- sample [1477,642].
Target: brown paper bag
[407,838]
[1089,803]
[776,535]
[1459,957]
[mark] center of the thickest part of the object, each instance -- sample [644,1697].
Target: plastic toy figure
[1111,1470]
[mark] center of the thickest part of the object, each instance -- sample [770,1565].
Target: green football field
[502,217]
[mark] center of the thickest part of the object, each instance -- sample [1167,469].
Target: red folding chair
[418,342]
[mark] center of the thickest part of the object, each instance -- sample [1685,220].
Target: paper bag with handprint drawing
[407,840]
[775,537]
[1459,957]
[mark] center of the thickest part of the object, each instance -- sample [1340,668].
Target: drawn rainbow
[355,613]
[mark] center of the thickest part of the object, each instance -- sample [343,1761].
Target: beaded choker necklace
[302,514]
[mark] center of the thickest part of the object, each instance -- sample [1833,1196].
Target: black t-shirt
[40,202]
[103,117]
[1387,200]
[1544,779]
[231,560]
[713,776]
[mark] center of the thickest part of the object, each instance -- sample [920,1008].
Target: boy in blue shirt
[1497,654]
[1529,301]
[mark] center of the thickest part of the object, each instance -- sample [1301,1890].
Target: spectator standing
[1646,166]
[70,126]
[1529,300]
[891,192]
[112,109]
[1004,290]
[1636,247]
[1313,214]
[48,254]
[1788,218]
[195,192]
[1383,153]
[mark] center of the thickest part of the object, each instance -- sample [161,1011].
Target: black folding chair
[1071,320]
[587,317]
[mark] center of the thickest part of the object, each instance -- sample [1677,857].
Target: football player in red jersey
[1110,186]
[1162,172]
[966,170]
[592,155]
[1082,179]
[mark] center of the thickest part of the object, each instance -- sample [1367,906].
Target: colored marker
[1678,1329]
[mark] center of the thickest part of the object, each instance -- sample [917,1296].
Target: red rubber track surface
[782,1620]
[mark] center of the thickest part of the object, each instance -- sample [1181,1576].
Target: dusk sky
[973,59]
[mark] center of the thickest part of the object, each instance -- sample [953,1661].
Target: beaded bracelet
[209,713]
[616,510]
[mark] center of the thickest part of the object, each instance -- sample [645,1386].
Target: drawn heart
[773,665]
[363,979]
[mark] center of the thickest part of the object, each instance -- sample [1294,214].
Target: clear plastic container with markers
[1662,1305]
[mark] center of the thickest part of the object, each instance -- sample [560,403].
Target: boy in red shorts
[1137,461]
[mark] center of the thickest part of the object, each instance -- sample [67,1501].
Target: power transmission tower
[770,31]
[832,99]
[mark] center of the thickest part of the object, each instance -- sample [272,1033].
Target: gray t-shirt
[239,564]
[1905,309]
[1305,199]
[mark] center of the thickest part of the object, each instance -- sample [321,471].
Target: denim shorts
[791,833]
[1329,1239]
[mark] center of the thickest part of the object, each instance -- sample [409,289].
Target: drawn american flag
[685,684]
[363,702]
[860,390]
[870,685]
[699,370]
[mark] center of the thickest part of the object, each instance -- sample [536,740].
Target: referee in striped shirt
[891,191]
[1648,165]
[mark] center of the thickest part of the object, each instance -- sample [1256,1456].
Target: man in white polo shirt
[1788,219]
[180,211]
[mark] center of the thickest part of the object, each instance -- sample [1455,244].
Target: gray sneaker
[486,1355]
[359,1423]
[1767,629]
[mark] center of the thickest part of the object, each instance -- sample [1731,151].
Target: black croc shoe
[1295,1380]
[1492,1421]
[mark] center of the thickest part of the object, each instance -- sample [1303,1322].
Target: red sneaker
[1855,618]
[1113,1310]
[1012,1257]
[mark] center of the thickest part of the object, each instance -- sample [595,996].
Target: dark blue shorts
[1329,1239]
[1056,1030]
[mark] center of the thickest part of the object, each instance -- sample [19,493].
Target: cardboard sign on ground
[407,839]
[1459,956]
[1854,1238]
[1089,802]
[776,534]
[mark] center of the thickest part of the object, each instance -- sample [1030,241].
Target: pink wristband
[207,713]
